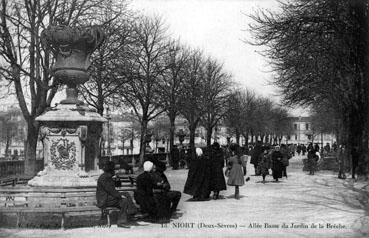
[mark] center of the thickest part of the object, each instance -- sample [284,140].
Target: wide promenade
[300,206]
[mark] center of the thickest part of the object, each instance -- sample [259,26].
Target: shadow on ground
[354,199]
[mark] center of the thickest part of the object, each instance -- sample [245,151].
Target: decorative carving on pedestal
[63,154]
[64,158]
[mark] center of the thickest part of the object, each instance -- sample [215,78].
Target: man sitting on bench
[108,196]
[164,187]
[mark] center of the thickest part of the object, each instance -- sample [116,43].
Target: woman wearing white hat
[198,178]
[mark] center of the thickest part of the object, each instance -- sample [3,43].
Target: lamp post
[108,117]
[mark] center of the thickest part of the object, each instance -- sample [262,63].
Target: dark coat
[217,181]
[198,178]
[255,155]
[105,191]
[286,156]
[277,166]
[166,200]
[144,195]
[312,159]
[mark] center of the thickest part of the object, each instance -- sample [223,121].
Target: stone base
[56,178]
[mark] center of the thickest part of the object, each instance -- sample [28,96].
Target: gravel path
[300,206]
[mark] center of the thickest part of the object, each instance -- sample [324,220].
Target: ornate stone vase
[70,130]
[72,47]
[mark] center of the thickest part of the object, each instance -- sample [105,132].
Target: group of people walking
[275,158]
[206,173]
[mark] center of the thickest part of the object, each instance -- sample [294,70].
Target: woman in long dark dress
[198,178]
[277,165]
[217,181]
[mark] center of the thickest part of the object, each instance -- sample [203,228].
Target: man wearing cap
[108,196]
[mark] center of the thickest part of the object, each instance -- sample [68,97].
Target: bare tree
[216,83]
[26,63]
[191,99]
[11,129]
[319,50]
[240,114]
[171,83]
[109,59]
[144,65]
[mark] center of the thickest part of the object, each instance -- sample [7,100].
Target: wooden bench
[64,201]
[14,180]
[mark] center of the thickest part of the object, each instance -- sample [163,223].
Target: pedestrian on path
[298,149]
[256,152]
[277,166]
[311,159]
[198,178]
[236,170]
[285,159]
[341,157]
[217,181]
[304,149]
[264,163]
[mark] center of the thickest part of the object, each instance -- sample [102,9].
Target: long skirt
[277,169]
[198,179]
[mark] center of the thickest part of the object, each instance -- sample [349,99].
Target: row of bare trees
[141,68]
[138,67]
[319,50]
[256,117]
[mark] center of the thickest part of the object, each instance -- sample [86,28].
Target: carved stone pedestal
[66,131]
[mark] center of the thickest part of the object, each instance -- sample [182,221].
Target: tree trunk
[209,132]
[246,139]
[172,129]
[359,116]
[31,149]
[7,142]
[142,141]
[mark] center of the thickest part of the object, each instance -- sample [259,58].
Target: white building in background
[302,133]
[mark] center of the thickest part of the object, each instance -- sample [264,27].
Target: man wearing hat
[108,196]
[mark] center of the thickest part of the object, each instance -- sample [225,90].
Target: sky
[219,28]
